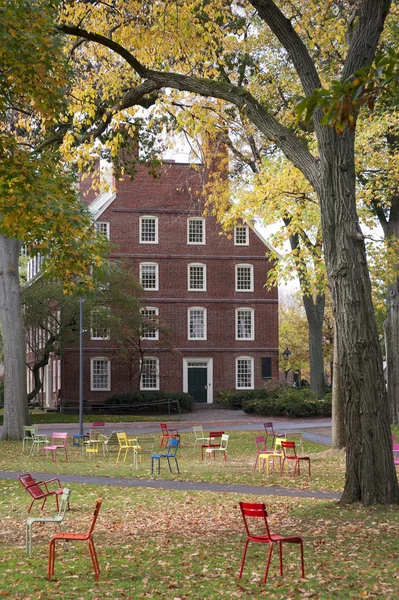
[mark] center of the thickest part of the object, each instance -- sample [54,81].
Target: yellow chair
[96,439]
[127,444]
[277,453]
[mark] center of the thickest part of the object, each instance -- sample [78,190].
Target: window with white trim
[196,277]
[149,374]
[102,227]
[100,374]
[197,323]
[148,230]
[149,331]
[241,237]
[97,329]
[244,373]
[244,324]
[196,230]
[149,276]
[244,278]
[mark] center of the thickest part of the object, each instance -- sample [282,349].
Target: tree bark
[15,401]
[338,416]
[391,330]
[315,314]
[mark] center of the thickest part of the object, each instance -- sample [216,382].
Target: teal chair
[172,450]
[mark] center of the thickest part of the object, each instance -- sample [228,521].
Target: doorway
[197,379]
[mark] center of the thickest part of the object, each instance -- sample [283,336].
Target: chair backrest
[393,438]
[164,428]
[249,511]
[64,502]
[94,434]
[173,446]
[57,437]
[277,443]
[260,443]
[122,439]
[224,441]
[269,429]
[395,448]
[112,441]
[146,444]
[30,431]
[215,435]
[95,515]
[288,448]
[198,431]
[98,424]
[30,485]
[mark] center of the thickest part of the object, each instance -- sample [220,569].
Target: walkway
[180,485]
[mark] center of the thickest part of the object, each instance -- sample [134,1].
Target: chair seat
[274,537]
[71,536]
[55,519]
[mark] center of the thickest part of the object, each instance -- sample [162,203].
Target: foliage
[1,391]
[291,403]
[158,401]
[294,335]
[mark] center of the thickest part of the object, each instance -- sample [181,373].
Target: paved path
[195,486]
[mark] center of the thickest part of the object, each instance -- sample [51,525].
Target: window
[241,237]
[149,332]
[102,227]
[196,231]
[244,324]
[196,323]
[266,368]
[149,374]
[97,330]
[149,276]
[244,373]
[244,278]
[100,374]
[148,230]
[196,277]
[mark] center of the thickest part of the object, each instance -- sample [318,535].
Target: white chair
[57,519]
[222,448]
[29,431]
[199,435]
[38,439]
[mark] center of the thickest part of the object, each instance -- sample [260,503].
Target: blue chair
[172,449]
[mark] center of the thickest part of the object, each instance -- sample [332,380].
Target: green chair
[29,432]
[37,440]
[58,519]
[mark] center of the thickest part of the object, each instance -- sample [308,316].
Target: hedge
[290,403]
[132,401]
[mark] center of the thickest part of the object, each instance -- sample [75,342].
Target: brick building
[208,288]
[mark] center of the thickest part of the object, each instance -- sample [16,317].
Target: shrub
[275,387]
[132,401]
[235,399]
[290,403]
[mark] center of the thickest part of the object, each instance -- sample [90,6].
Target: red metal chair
[168,434]
[212,443]
[56,444]
[39,490]
[249,511]
[289,453]
[81,537]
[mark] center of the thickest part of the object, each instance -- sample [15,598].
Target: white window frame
[236,242]
[150,264]
[196,308]
[107,331]
[190,289]
[141,229]
[107,388]
[156,314]
[97,225]
[251,270]
[157,374]
[190,220]
[246,358]
[252,313]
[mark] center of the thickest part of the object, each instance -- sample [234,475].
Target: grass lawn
[40,417]
[188,545]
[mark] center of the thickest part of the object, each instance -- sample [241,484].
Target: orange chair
[289,453]
[249,511]
[81,537]
[168,434]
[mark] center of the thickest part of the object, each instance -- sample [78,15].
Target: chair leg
[243,558]
[268,561]
[51,559]
[177,466]
[281,558]
[94,558]
[302,561]
[170,468]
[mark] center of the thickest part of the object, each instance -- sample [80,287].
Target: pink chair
[395,450]
[56,444]
[261,448]
[394,440]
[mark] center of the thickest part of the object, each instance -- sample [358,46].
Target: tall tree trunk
[315,315]
[370,472]
[338,416]
[391,330]
[15,401]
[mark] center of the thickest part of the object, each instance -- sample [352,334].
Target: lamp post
[286,354]
[81,332]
